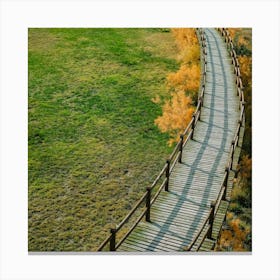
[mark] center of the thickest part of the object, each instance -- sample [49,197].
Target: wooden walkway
[178,215]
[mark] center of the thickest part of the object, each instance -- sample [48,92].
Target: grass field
[92,143]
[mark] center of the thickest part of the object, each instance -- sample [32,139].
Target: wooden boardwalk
[179,214]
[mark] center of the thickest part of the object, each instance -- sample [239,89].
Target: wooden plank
[164,210]
[145,246]
[164,238]
[184,204]
[195,189]
[151,244]
[184,225]
[184,207]
[207,245]
[171,231]
[135,247]
[155,241]
[129,248]
[145,227]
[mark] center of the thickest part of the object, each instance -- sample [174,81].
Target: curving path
[178,215]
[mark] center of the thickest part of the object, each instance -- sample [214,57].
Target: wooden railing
[239,92]
[209,221]
[162,180]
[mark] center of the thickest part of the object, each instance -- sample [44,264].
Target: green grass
[93,147]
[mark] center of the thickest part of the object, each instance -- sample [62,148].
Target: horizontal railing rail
[176,156]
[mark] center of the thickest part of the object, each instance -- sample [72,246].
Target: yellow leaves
[234,237]
[245,64]
[239,234]
[242,41]
[187,43]
[186,78]
[246,69]
[191,54]
[225,239]
[242,37]
[229,215]
[236,193]
[246,167]
[177,113]
[234,223]
[233,31]
[184,37]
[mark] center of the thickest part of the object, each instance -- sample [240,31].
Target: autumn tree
[185,79]
[185,37]
[183,85]
[177,113]
[245,167]
[235,236]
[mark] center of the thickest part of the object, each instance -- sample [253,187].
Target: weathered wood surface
[179,214]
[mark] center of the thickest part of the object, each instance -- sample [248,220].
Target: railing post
[240,98]
[167,175]
[238,132]
[225,183]
[193,125]
[113,239]
[204,78]
[238,71]
[232,145]
[200,99]
[148,204]
[211,220]
[241,103]
[202,96]
[227,171]
[237,81]
[181,148]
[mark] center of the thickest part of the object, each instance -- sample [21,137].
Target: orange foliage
[246,69]
[242,41]
[184,37]
[186,78]
[177,113]
[233,31]
[241,37]
[234,238]
[246,167]
[191,54]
